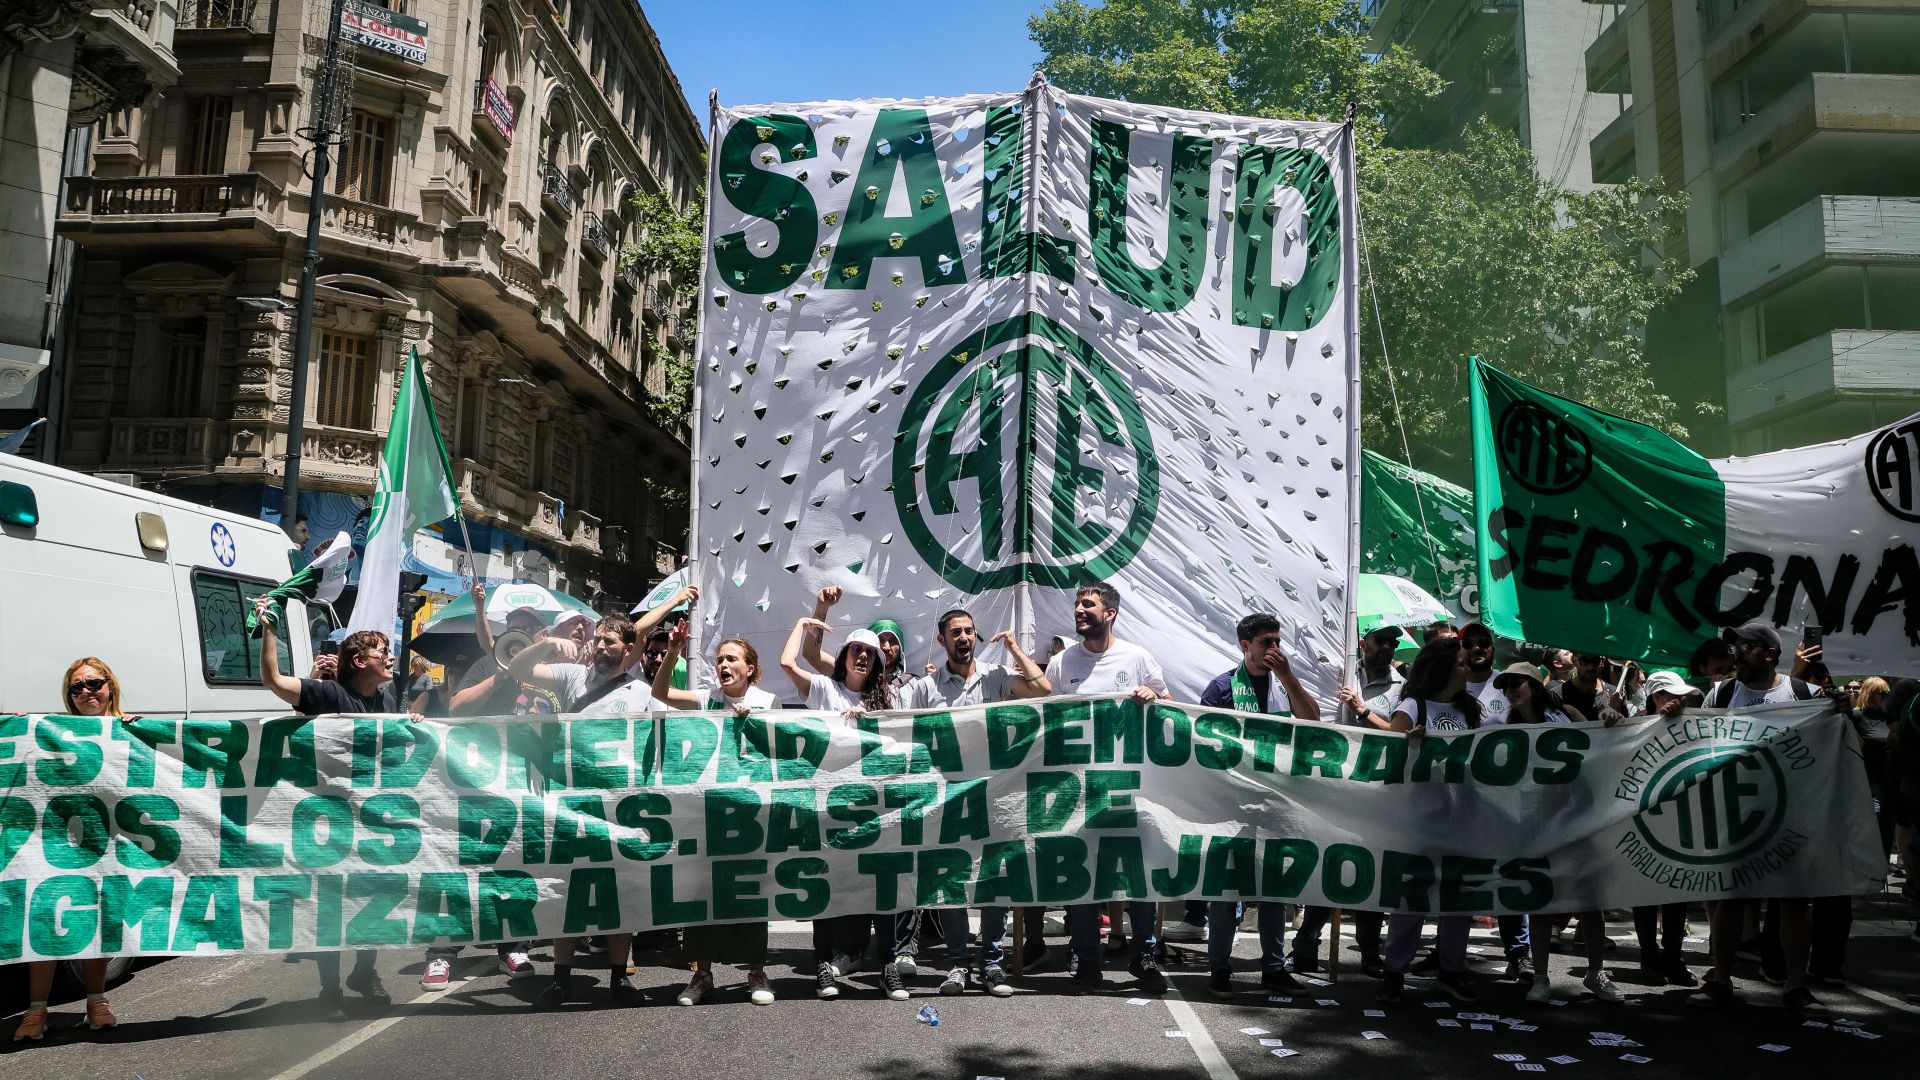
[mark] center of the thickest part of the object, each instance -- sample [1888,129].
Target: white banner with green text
[154,836]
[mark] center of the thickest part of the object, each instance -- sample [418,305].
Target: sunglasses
[91,686]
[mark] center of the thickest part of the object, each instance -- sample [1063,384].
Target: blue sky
[759,51]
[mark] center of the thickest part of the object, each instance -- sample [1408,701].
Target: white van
[157,587]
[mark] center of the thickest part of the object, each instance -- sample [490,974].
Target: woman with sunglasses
[856,686]
[736,664]
[91,690]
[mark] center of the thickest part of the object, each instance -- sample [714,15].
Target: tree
[1467,250]
[670,244]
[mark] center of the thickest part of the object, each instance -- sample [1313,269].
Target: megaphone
[507,645]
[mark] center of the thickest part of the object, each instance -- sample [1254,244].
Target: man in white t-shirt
[1756,680]
[1100,663]
[963,682]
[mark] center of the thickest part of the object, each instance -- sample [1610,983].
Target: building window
[186,350]
[367,161]
[347,371]
[206,150]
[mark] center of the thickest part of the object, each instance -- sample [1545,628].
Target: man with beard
[1755,681]
[582,677]
[958,684]
[1101,663]
[1476,645]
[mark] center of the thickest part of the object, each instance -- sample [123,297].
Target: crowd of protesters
[630,666]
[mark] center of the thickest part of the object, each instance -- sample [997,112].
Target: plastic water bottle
[929,1016]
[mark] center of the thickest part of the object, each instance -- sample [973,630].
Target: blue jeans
[1083,930]
[1514,936]
[1366,930]
[1450,940]
[954,928]
[1223,919]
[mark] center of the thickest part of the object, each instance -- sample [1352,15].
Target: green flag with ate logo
[1603,534]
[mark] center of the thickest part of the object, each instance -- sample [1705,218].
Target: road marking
[1883,998]
[1198,1037]
[366,1033]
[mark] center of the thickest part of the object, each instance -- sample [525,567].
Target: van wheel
[71,975]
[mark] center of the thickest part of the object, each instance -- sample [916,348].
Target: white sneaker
[906,966]
[1600,985]
[1184,931]
[439,970]
[697,989]
[759,990]
[1542,991]
[517,965]
[843,965]
[955,982]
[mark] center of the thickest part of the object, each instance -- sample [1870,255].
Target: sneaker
[33,1025]
[895,986]
[333,1004]
[99,1016]
[1520,969]
[439,970]
[1371,966]
[1147,970]
[955,982]
[994,981]
[1086,979]
[1678,975]
[1306,963]
[844,965]
[517,965]
[1801,1000]
[1390,985]
[623,994]
[556,993]
[1184,932]
[826,982]
[759,989]
[1711,995]
[1600,985]
[1037,957]
[697,989]
[907,966]
[366,983]
[1220,984]
[1541,992]
[1281,982]
[1454,984]
[595,945]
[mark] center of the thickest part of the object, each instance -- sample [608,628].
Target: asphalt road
[256,1018]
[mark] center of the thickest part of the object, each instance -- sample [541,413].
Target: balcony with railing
[163,196]
[557,192]
[244,15]
[599,242]
[362,220]
[628,279]
[494,112]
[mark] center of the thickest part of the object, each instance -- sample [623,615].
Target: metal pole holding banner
[324,129]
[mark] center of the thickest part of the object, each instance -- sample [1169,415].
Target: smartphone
[1810,637]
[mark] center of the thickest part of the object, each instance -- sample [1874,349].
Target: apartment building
[64,64]
[1521,64]
[478,201]
[1794,128]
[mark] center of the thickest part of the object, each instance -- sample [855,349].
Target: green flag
[1416,526]
[323,580]
[416,490]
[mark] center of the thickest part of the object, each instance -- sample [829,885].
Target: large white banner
[978,351]
[157,835]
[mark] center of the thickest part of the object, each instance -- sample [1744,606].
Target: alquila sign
[159,835]
[977,351]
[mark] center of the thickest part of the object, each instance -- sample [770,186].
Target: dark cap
[1480,626]
[1758,630]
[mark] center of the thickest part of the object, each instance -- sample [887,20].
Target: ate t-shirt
[1117,670]
[754,698]
[319,696]
[1494,705]
[1442,716]
[1744,696]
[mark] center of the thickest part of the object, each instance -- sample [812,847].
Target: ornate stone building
[478,202]
[64,64]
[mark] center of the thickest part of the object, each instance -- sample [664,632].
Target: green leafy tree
[1467,250]
[669,244]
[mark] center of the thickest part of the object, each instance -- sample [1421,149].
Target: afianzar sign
[374,27]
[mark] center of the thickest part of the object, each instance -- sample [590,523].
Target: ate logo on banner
[1714,805]
[1893,469]
[1542,452]
[1025,457]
